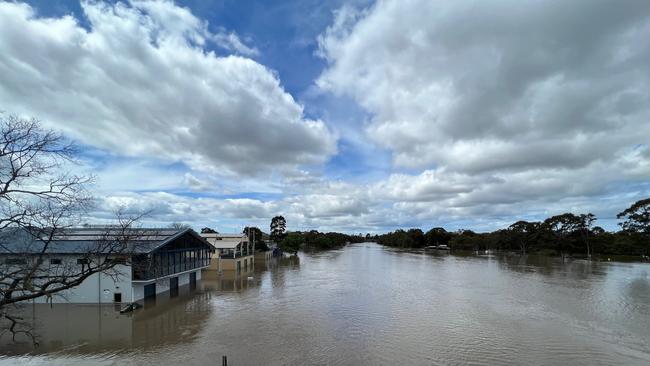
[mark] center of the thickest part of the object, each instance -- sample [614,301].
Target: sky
[353,116]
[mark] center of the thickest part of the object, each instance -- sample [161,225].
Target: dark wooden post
[224,360]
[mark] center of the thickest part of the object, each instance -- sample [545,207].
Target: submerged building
[232,252]
[154,262]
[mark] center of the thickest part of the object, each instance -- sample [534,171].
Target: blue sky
[355,116]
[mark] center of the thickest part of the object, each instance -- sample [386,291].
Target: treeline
[566,234]
[316,240]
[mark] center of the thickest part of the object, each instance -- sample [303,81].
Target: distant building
[160,261]
[233,252]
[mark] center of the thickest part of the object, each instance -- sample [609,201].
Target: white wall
[100,288]
[97,288]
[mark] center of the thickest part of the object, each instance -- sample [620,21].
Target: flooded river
[368,305]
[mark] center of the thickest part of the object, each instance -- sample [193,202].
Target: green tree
[524,233]
[637,225]
[291,243]
[416,238]
[562,227]
[256,236]
[437,236]
[583,226]
[207,230]
[278,226]
[637,217]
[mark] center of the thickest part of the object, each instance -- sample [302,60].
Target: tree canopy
[563,234]
[278,227]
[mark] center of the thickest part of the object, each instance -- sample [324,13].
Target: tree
[291,243]
[597,230]
[39,200]
[437,236]
[207,230]
[179,226]
[524,233]
[637,217]
[278,226]
[256,236]
[562,226]
[583,225]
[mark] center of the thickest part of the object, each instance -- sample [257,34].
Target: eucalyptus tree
[583,226]
[561,227]
[525,234]
[637,217]
[637,222]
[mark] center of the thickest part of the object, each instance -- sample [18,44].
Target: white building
[158,261]
[233,252]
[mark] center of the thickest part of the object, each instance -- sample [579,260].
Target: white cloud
[140,82]
[498,108]
[493,111]
[490,86]
[232,42]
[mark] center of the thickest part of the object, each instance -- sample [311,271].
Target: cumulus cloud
[503,106]
[489,86]
[140,80]
[492,111]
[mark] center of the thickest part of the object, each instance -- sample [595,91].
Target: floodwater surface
[368,305]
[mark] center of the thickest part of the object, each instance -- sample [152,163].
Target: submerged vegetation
[316,240]
[563,235]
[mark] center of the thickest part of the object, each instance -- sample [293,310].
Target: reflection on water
[368,305]
[91,328]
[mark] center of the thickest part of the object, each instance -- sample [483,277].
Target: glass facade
[183,254]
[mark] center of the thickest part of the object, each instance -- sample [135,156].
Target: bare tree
[179,226]
[30,276]
[39,202]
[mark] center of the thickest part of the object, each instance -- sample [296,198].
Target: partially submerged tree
[292,243]
[583,226]
[437,236]
[560,227]
[569,228]
[525,234]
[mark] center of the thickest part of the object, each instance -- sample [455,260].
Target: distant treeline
[316,240]
[566,234]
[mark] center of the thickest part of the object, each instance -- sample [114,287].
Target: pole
[224,360]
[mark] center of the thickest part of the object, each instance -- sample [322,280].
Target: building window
[117,297]
[55,261]
[83,261]
[15,261]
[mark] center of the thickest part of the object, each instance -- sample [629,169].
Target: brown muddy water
[368,305]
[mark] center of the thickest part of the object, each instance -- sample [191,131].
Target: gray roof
[94,239]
